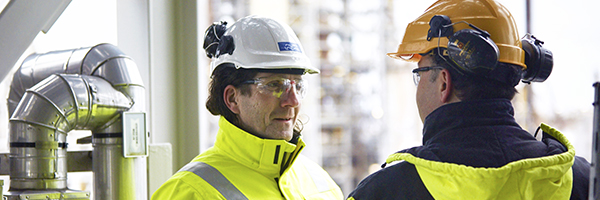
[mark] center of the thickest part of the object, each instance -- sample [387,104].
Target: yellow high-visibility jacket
[243,166]
[476,150]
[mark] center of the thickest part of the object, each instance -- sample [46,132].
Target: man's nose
[290,97]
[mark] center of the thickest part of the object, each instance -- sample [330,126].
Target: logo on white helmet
[289,46]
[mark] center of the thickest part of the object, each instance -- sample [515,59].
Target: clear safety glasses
[279,87]
[417,76]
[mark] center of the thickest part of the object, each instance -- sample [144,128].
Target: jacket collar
[270,156]
[467,114]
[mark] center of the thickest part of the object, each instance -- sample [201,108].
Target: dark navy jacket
[475,133]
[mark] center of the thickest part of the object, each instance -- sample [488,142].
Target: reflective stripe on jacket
[243,166]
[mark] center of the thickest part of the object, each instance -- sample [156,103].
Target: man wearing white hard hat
[257,88]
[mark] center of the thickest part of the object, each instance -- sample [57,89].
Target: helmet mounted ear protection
[538,59]
[473,52]
[470,50]
[215,43]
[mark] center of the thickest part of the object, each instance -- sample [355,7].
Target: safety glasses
[279,87]
[417,76]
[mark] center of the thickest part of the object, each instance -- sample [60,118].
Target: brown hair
[224,75]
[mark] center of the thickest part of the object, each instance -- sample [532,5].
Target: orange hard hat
[487,15]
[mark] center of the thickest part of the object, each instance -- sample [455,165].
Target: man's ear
[230,97]
[445,87]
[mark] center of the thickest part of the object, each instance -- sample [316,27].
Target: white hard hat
[256,43]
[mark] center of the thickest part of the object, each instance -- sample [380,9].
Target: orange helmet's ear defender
[538,59]
[472,51]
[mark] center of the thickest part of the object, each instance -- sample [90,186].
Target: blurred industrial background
[361,107]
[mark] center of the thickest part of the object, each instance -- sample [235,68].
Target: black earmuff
[470,50]
[226,45]
[215,43]
[538,59]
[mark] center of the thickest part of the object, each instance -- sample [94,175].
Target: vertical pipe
[594,192]
[115,175]
[527,16]
[112,172]
[528,92]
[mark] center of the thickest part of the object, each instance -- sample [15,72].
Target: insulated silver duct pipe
[47,112]
[56,92]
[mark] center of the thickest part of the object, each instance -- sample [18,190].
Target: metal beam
[20,23]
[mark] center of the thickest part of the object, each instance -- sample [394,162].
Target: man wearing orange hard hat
[470,58]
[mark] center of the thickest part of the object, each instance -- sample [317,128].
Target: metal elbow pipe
[103,60]
[56,92]
[47,112]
